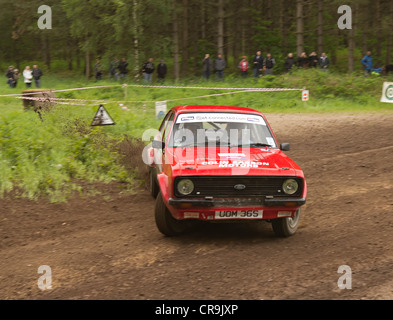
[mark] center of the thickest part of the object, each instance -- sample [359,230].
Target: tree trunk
[320,26]
[175,36]
[185,49]
[389,35]
[220,27]
[87,64]
[379,29]
[136,38]
[351,42]
[299,28]
[284,17]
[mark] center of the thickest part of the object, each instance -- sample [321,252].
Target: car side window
[167,127]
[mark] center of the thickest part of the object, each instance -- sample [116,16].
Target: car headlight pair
[185,187]
[290,186]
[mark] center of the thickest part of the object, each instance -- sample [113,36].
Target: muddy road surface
[106,246]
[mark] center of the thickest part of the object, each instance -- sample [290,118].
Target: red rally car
[221,164]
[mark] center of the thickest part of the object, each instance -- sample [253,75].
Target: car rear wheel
[166,224]
[153,185]
[286,227]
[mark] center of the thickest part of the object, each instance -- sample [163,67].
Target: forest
[182,31]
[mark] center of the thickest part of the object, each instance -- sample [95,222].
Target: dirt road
[106,245]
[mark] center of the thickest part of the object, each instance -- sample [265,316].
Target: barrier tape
[151,86]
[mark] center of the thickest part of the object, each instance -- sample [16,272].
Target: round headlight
[185,187]
[290,186]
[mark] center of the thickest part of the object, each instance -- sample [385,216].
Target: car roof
[214,108]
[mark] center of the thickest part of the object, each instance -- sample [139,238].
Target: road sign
[102,118]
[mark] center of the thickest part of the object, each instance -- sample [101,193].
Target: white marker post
[387,92]
[305,95]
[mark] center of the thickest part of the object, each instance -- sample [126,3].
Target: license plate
[238,214]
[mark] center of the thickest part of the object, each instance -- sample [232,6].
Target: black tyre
[153,185]
[166,224]
[286,227]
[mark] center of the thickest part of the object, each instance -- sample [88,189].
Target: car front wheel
[167,224]
[286,227]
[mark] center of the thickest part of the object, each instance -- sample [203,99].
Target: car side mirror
[285,146]
[156,144]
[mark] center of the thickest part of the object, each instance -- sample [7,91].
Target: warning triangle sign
[102,118]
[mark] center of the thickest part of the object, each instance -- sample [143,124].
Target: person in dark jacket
[10,76]
[268,64]
[147,70]
[302,61]
[98,69]
[123,65]
[387,69]
[313,60]
[257,64]
[37,74]
[289,62]
[219,66]
[207,66]
[324,62]
[161,71]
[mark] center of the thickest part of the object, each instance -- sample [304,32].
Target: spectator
[113,67]
[37,74]
[367,63]
[98,69]
[289,62]
[16,77]
[10,77]
[147,70]
[324,62]
[243,66]
[257,64]
[220,65]
[207,66]
[123,65]
[387,69]
[28,75]
[161,71]
[268,65]
[302,61]
[313,60]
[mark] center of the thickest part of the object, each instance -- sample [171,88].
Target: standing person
[37,74]
[28,75]
[268,65]
[220,65]
[207,66]
[114,65]
[324,62]
[98,69]
[257,64]
[147,70]
[313,60]
[289,62]
[16,77]
[10,76]
[161,71]
[367,63]
[123,65]
[302,61]
[243,66]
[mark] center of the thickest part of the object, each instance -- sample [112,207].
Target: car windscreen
[221,129]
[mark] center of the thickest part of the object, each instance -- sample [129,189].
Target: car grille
[224,186]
